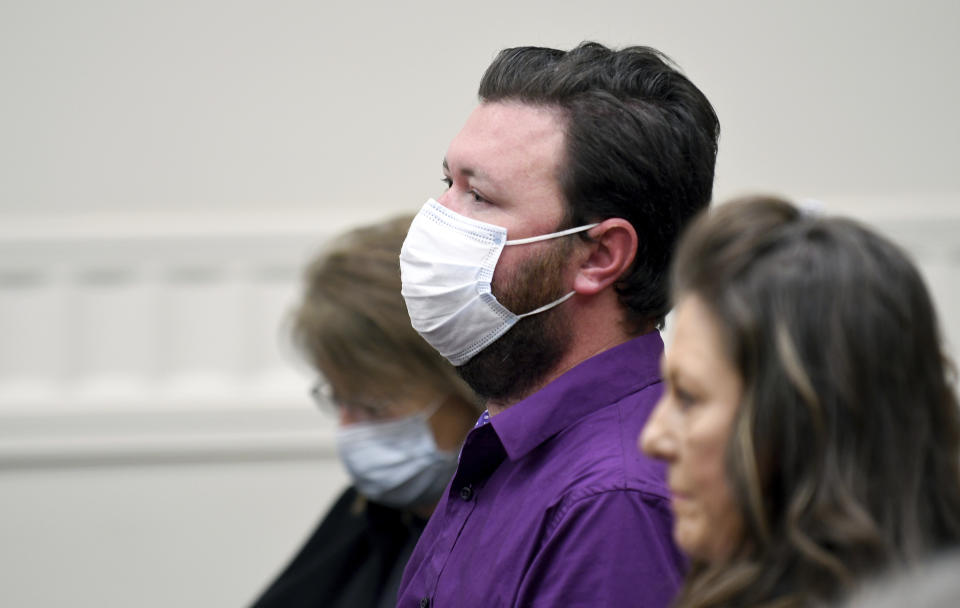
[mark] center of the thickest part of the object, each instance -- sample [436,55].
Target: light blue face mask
[397,462]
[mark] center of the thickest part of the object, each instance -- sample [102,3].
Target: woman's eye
[684,398]
[447,181]
[477,197]
[372,414]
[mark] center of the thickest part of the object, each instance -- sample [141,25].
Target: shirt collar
[595,383]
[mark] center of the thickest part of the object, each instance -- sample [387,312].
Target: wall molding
[172,438]
[133,341]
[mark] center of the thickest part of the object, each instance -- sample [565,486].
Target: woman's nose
[655,440]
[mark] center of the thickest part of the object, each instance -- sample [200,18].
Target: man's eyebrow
[466,171]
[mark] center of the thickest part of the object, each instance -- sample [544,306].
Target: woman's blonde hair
[352,324]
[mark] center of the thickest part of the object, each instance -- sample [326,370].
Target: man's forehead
[522,136]
[505,116]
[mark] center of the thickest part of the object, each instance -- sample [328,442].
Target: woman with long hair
[808,419]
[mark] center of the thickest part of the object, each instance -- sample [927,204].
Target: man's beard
[517,362]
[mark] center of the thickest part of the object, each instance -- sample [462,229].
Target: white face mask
[396,462]
[446,266]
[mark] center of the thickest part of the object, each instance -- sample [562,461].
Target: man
[541,274]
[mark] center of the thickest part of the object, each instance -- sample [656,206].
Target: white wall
[157,446]
[167,167]
[343,111]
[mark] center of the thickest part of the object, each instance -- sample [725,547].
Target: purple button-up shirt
[552,504]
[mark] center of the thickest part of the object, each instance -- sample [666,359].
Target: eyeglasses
[322,393]
[327,400]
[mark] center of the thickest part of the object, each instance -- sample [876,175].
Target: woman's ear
[613,246]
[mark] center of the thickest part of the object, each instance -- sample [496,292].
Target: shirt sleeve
[611,548]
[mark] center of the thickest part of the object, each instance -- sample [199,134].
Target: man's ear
[613,247]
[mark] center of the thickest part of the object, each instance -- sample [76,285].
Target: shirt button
[425,602]
[466,492]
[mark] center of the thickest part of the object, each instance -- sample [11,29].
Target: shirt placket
[482,453]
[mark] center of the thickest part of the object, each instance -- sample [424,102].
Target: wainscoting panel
[157,443]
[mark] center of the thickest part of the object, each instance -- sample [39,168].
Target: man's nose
[446,198]
[452,200]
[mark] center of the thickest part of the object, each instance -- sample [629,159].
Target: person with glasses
[402,414]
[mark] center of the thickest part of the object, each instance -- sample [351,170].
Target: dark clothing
[354,559]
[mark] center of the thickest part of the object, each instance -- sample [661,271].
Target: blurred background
[167,168]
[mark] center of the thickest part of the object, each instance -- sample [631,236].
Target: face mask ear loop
[552,235]
[556,302]
[544,237]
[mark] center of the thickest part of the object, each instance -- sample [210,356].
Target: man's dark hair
[641,144]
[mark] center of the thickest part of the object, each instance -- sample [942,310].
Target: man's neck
[574,356]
